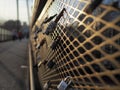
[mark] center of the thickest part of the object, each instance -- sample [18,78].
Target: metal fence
[88,49]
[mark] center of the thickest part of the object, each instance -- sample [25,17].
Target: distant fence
[5,35]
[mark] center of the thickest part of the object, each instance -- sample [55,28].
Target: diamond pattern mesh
[88,49]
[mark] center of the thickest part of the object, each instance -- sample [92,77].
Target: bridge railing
[83,44]
[5,35]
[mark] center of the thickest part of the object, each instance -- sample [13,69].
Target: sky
[8,10]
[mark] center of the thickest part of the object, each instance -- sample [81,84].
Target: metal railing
[5,35]
[31,75]
[88,49]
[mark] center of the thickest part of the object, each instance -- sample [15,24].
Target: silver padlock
[65,83]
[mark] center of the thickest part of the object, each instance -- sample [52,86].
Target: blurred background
[14,18]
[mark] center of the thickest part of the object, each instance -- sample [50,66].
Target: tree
[11,24]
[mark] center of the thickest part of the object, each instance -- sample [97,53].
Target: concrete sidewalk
[13,62]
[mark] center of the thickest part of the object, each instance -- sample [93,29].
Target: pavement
[14,65]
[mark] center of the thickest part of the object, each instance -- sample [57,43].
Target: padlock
[44,62]
[50,64]
[40,63]
[47,85]
[49,19]
[51,27]
[114,3]
[38,30]
[35,36]
[53,24]
[65,83]
[38,46]
[41,43]
[90,8]
[55,43]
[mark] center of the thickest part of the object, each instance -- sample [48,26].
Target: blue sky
[8,10]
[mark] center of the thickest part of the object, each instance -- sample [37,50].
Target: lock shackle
[70,79]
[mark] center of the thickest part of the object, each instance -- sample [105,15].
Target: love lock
[49,19]
[41,43]
[65,83]
[38,30]
[53,24]
[55,43]
[47,85]
[51,27]
[35,36]
[94,4]
[50,64]
[38,46]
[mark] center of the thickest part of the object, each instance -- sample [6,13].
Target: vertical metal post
[27,4]
[17,9]
[17,3]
